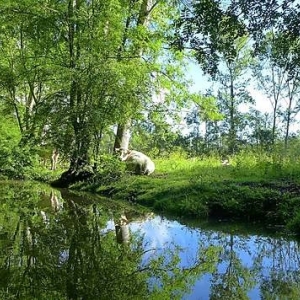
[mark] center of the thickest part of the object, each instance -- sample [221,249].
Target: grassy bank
[253,187]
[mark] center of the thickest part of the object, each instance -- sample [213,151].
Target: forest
[83,78]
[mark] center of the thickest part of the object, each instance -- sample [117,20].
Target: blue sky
[202,83]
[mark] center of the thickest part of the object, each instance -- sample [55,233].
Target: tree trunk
[232,131]
[79,168]
[288,121]
[123,136]
[276,94]
[291,92]
[79,158]
[123,130]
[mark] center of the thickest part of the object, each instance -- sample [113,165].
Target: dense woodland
[85,77]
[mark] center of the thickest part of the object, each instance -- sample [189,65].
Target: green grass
[253,187]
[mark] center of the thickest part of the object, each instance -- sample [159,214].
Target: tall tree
[285,55]
[277,72]
[151,21]
[209,29]
[25,66]
[217,39]
[138,18]
[233,91]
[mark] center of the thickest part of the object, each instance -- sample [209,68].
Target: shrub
[294,224]
[110,169]
[20,163]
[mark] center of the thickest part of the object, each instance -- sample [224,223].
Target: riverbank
[262,191]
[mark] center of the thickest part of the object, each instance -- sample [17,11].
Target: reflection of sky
[160,234]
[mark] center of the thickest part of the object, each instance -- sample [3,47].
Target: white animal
[225,162]
[138,162]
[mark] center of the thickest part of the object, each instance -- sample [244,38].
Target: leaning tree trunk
[79,169]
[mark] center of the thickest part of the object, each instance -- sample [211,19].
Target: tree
[155,133]
[203,116]
[277,75]
[209,29]
[25,67]
[76,68]
[145,16]
[261,134]
[285,54]
[218,41]
[276,21]
[233,91]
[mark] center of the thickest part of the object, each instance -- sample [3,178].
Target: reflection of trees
[122,230]
[277,286]
[236,280]
[67,252]
[282,280]
[70,256]
[273,267]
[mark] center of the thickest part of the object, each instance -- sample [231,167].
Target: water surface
[57,245]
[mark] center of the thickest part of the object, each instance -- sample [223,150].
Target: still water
[59,245]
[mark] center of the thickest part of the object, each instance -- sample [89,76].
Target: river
[60,245]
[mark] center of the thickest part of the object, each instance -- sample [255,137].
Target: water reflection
[249,266]
[66,250]
[54,245]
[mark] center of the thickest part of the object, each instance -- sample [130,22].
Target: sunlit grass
[254,185]
[177,173]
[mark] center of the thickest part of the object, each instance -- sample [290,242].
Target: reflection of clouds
[260,254]
[161,234]
[110,225]
[156,232]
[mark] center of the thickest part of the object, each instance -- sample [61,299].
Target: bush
[294,224]
[110,169]
[19,163]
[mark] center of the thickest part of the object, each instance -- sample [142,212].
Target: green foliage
[19,161]
[23,163]
[9,138]
[110,169]
[154,136]
[208,107]
[15,161]
[294,223]
[67,84]
[210,29]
